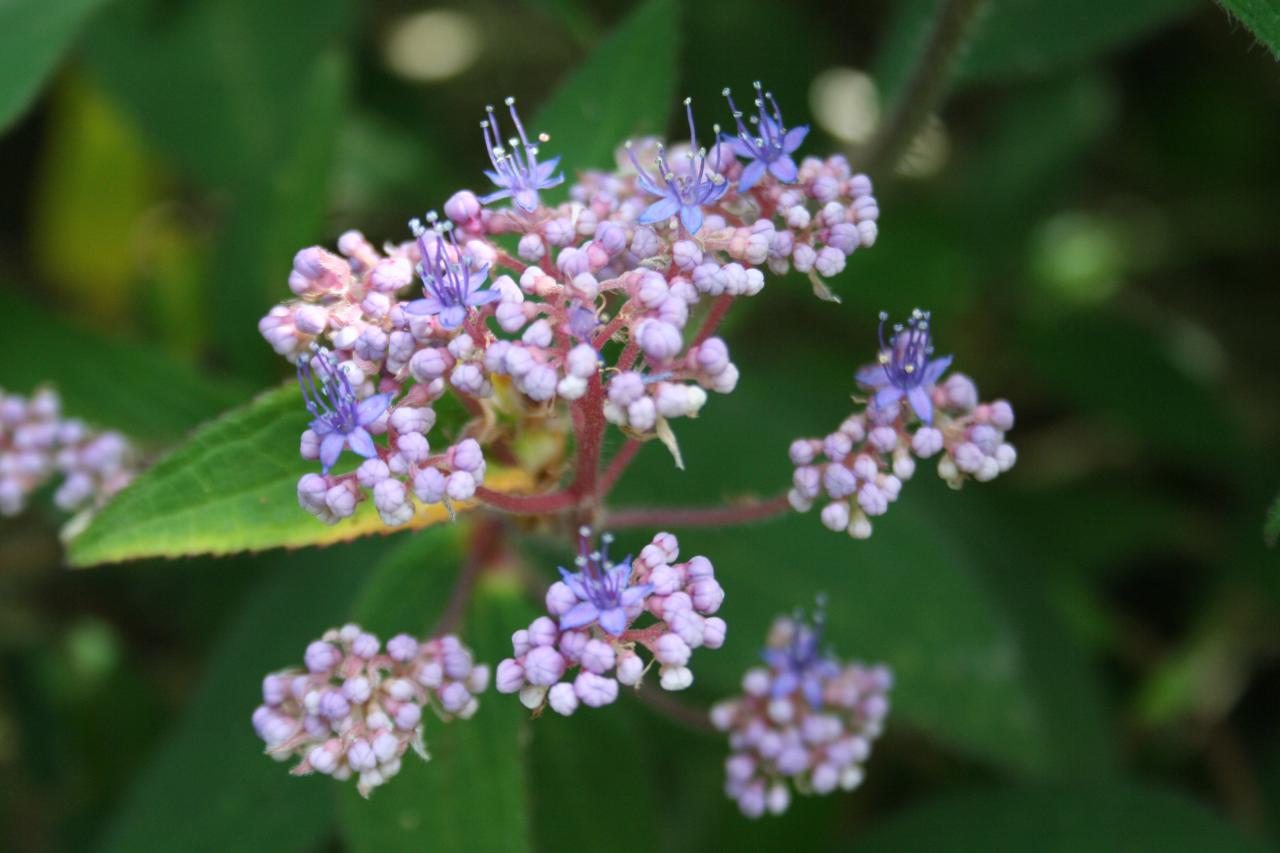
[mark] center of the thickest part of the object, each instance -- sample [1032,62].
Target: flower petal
[873,375]
[614,620]
[751,175]
[633,595]
[423,307]
[660,211]
[498,180]
[573,580]
[794,137]
[543,170]
[691,218]
[784,169]
[920,401]
[361,442]
[887,396]
[784,683]
[933,370]
[491,197]
[371,408]
[739,147]
[813,692]
[527,200]
[582,613]
[451,316]
[331,448]
[483,297]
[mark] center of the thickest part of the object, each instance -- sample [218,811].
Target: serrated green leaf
[141,390]
[1262,17]
[231,488]
[626,87]
[33,37]
[1058,820]
[472,796]
[209,787]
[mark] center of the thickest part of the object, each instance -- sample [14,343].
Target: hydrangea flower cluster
[607,307]
[593,627]
[37,444]
[805,717]
[910,414]
[357,708]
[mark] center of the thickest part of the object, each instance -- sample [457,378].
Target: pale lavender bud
[808,481]
[968,457]
[391,274]
[626,388]
[645,243]
[660,341]
[598,657]
[509,677]
[560,599]
[707,595]
[543,632]
[611,237]
[650,288]
[803,256]
[462,207]
[573,643]
[360,755]
[835,516]
[595,691]
[960,391]
[356,689]
[467,456]
[429,485]
[873,500]
[671,650]
[321,656]
[563,699]
[539,383]
[455,697]
[365,645]
[460,486]
[686,254]
[829,262]
[839,481]
[543,666]
[630,668]
[714,630]
[1002,415]
[531,247]
[333,705]
[428,364]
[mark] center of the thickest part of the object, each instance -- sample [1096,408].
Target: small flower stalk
[805,720]
[39,444]
[600,618]
[911,414]
[356,707]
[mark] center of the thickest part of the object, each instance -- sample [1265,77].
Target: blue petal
[574,582]
[371,408]
[361,442]
[500,194]
[813,691]
[920,401]
[784,684]
[751,175]
[452,316]
[544,170]
[887,396]
[795,136]
[934,370]
[659,211]
[784,169]
[527,200]
[498,180]
[691,218]
[633,595]
[331,448]
[424,307]
[483,297]
[582,613]
[614,620]
[873,375]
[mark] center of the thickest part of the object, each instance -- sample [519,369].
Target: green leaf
[1057,820]
[232,487]
[33,37]
[1262,17]
[140,390]
[626,87]
[209,787]
[471,797]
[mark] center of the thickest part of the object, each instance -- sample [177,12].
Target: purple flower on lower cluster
[861,466]
[516,170]
[903,366]
[357,708]
[603,589]
[770,147]
[451,284]
[808,719]
[684,192]
[339,420]
[594,627]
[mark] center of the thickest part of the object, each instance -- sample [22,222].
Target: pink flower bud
[509,677]
[543,666]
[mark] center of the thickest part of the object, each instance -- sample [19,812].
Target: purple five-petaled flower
[516,171]
[904,367]
[449,283]
[604,589]
[801,664]
[684,194]
[338,418]
[770,146]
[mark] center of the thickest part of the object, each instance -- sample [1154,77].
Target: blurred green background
[1087,649]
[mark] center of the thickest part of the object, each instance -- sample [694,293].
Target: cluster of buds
[910,414]
[633,258]
[38,444]
[393,475]
[594,628]
[806,718]
[357,708]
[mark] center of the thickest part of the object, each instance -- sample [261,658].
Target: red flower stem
[618,465]
[484,545]
[720,516]
[589,427]
[718,309]
[527,504]
[678,712]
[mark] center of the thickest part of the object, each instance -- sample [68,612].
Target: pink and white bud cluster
[405,470]
[859,469]
[602,616]
[356,707]
[807,720]
[37,444]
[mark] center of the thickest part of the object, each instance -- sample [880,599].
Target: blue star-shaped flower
[683,194]
[801,665]
[604,589]
[450,285]
[516,171]
[770,147]
[337,417]
[904,368]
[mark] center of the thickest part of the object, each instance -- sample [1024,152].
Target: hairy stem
[618,466]
[719,516]
[925,85]
[718,309]
[526,504]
